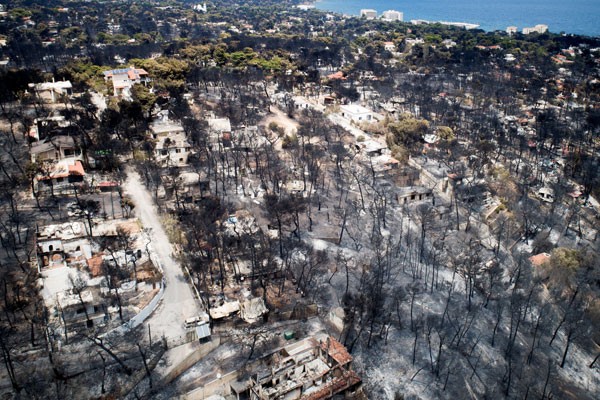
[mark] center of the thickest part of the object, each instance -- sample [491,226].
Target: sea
[581,17]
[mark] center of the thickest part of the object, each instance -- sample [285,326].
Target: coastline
[560,18]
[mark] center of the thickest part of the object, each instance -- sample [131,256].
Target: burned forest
[261,200]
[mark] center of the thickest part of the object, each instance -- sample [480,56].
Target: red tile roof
[348,379]
[64,170]
[336,350]
[108,184]
[337,75]
[539,259]
[95,265]
[76,169]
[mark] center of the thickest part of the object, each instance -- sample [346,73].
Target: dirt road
[178,302]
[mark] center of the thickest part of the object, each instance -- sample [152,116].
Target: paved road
[178,302]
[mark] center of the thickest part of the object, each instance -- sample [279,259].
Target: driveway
[178,302]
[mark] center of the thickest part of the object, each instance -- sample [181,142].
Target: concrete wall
[220,386]
[195,352]
[45,245]
[140,317]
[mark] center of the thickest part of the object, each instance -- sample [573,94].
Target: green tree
[142,95]
[408,131]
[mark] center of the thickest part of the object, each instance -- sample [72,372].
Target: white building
[220,132]
[60,176]
[219,125]
[448,43]
[392,15]
[412,42]
[199,7]
[389,46]
[408,195]
[123,79]
[305,7]
[172,147]
[511,30]
[356,113]
[368,13]
[540,28]
[52,91]
[419,21]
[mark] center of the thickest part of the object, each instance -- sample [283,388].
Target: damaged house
[315,368]
[55,148]
[172,147]
[311,369]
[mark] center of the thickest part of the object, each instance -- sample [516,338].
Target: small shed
[203,331]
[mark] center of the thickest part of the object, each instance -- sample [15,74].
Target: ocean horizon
[581,17]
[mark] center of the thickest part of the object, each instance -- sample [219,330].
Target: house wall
[56,154]
[50,246]
[414,197]
[294,394]
[53,96]
[59,185]
[407,178]
[175,156]
[74,314]
[357,117]
[84,248]
[46,155]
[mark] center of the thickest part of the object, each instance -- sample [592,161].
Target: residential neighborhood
[266,200]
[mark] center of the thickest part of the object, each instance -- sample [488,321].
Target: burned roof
[336,350]
[49,144]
